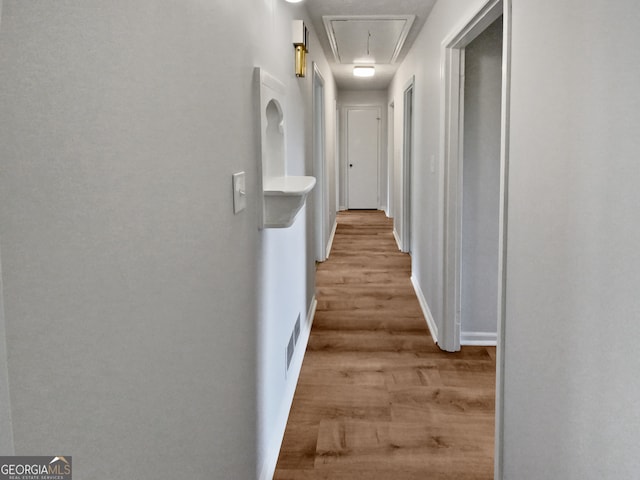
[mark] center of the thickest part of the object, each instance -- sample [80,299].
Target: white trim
[502,238]
[431,323]
[407,162]
[451,65]
[480,339]
[337,152]
[452,116]
[310,316]
[271,456]
[391,121]
[345,147]
[331,237]
[321,214]
[397,237]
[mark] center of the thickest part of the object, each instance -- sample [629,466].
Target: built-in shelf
[283,199]
[283,196]
[289,185]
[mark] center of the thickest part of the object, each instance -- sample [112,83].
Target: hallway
[376,398]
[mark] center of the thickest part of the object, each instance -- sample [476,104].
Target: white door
[362,157]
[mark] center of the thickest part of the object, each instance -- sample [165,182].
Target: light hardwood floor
[376,398]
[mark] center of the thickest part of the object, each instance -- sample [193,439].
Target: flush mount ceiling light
[294,1]
[364,71]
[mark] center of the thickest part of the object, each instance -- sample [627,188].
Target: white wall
[363,98]
[423,61]
[130,288]
[481,186]
[116,222]
[571,390]
[573,268]
[6,433]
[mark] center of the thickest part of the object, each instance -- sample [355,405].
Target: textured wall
[572,330]
[130,286]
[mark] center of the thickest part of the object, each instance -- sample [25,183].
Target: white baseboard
[310,314]
[397,237]
[431,323]
[331,237]
[271,455]
[481,339]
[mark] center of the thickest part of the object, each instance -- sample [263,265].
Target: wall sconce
[301,44]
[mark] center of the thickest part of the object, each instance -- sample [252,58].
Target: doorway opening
[456,222]
[481,187]
[407,169]
[473,130]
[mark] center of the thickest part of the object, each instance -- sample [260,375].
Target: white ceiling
[352,39]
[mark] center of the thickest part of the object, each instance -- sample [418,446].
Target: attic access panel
[367,38]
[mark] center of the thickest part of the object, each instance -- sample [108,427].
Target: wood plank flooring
[376,398]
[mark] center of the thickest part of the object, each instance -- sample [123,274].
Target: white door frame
[452,121]
[390,159]
[321,213]
[345,136]
[407,161]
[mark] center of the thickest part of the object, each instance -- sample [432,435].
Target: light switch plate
[239,192]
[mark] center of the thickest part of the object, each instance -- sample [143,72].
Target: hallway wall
[573,266]
[134,298]
[423,61]
[570,348]
[126,340]
[6,433]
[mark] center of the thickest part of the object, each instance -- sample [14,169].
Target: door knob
[351,165]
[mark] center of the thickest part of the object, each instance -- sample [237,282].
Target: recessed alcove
[283,196]
[274,164]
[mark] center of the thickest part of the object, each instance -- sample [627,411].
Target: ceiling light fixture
[294,1]
[364,71]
